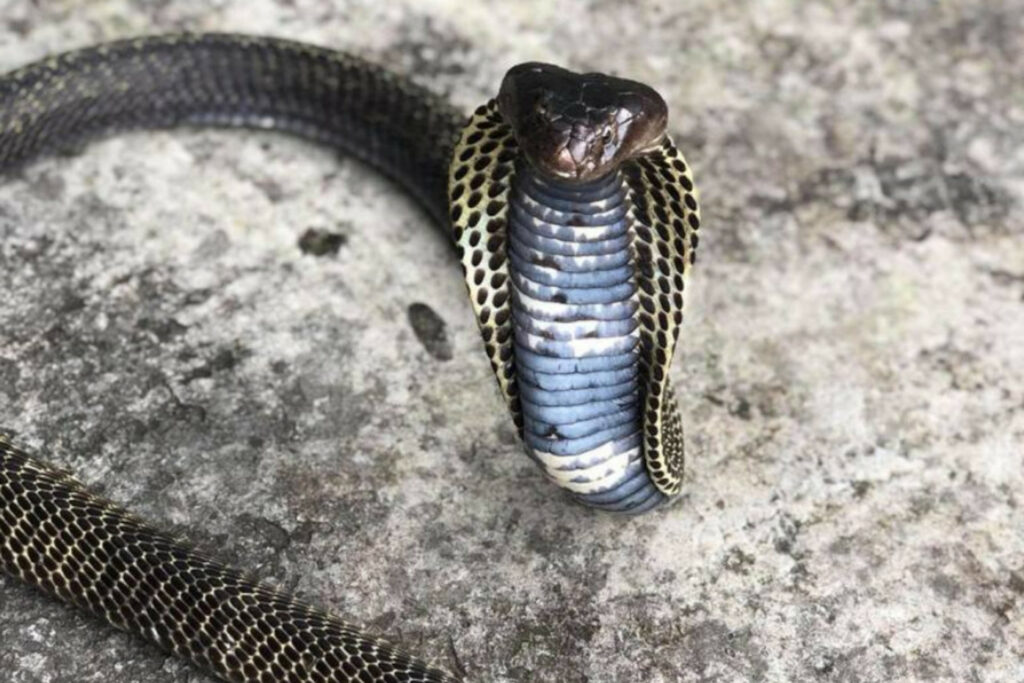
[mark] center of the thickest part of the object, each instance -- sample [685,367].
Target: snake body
[95,555]
[325,95]
[574,218]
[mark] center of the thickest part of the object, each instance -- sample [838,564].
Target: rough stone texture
[852,369]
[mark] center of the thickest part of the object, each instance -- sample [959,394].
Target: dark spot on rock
[714,399]
[56,334]
[738,561]
[946,586]
[741,408]
[860,488]
[975,200]
[321,242]
[824,664]
[70,303]
[21,27]
[786,534]
[225,359]
[163,329]
[431,330]
[1016,583]
[783,545]
[304,532]
[189,413]
[270,533]
[197,296]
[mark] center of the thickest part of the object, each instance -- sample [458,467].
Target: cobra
[575,220]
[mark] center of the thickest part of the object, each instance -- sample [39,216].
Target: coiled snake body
[575,220]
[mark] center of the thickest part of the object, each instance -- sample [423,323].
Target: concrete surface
[852,371]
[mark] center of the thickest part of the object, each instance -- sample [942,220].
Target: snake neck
[575,337]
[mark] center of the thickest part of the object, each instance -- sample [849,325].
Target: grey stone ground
[853,365]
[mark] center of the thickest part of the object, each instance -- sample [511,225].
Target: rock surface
[852,368]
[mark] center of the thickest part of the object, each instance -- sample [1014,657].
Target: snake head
[579,127]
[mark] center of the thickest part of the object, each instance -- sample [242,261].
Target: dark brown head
[578,127]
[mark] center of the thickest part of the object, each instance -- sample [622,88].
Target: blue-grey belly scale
[574,301]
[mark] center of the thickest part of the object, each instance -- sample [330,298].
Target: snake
[573,215]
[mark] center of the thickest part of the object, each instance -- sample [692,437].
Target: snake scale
[575,221]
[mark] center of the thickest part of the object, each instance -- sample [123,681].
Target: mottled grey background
[852,366]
